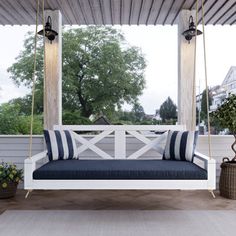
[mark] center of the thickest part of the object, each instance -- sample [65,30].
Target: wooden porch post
[186,100]
[53,73]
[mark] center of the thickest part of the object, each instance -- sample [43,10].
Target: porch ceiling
[111,12]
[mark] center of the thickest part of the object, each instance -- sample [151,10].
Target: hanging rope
[194,74]
[206,80]
[44,65]
[34,80]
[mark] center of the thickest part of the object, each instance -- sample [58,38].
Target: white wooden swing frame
[120,133]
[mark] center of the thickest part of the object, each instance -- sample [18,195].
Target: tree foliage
[168,110]
[138,112]
[226,114]
[12,121]
[100,70]
[204,110]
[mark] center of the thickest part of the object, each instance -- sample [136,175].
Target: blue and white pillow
[180,145]
[61,144]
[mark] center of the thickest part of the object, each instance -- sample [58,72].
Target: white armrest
[29,168]
[204,157]
[36,157]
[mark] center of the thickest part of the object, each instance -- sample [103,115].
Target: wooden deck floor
[117,200]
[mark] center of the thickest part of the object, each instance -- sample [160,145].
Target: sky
[159,46]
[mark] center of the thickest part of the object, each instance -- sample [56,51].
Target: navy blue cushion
[119,169]
[60,144]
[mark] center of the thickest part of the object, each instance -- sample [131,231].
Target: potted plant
[10,176]
[225,117]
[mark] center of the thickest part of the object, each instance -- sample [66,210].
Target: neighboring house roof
[230,77]
[102,120]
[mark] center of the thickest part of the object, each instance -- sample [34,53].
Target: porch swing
[181,169]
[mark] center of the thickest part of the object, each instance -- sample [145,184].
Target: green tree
[138,112]
[204,104]
[25,103]
[12,121]
[100,70]
[168,110]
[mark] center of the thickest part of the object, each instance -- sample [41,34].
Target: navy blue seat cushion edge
[119,169]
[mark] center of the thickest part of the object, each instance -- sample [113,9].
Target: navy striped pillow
[180,145]
[60,144]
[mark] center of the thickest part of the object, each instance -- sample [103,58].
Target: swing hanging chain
[206,80]
[33,81]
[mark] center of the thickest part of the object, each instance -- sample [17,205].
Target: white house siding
[15,149]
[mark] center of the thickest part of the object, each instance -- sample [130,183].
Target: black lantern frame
[49,32]
[191,31]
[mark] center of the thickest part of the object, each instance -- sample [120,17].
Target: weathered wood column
[186,100]
[53,73]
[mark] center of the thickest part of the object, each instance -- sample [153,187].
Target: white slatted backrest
[120,127]
[120,132]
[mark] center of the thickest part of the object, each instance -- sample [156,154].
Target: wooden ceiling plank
[76,19]
[192,7]
[168,12]
[200,5]
[116,11]
[220,13]
[77,13]
[106,11]
[154,11]
[159,11]
[177,13]
[121,11]
[224,14]
[140,12]
[66,12]
[14,13]
[126,4]
[19,11]
[228,18]
[217,11]
[8,14]
[206,12]
[136,13]
[27,6]
[4,21]
[143,11]
[111,11]
[83,10]
[54,5]
[92,12]
[233,22]
[149,12]
[47,5]
[130,11]
[97,12]
[102,13]
[177,6]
